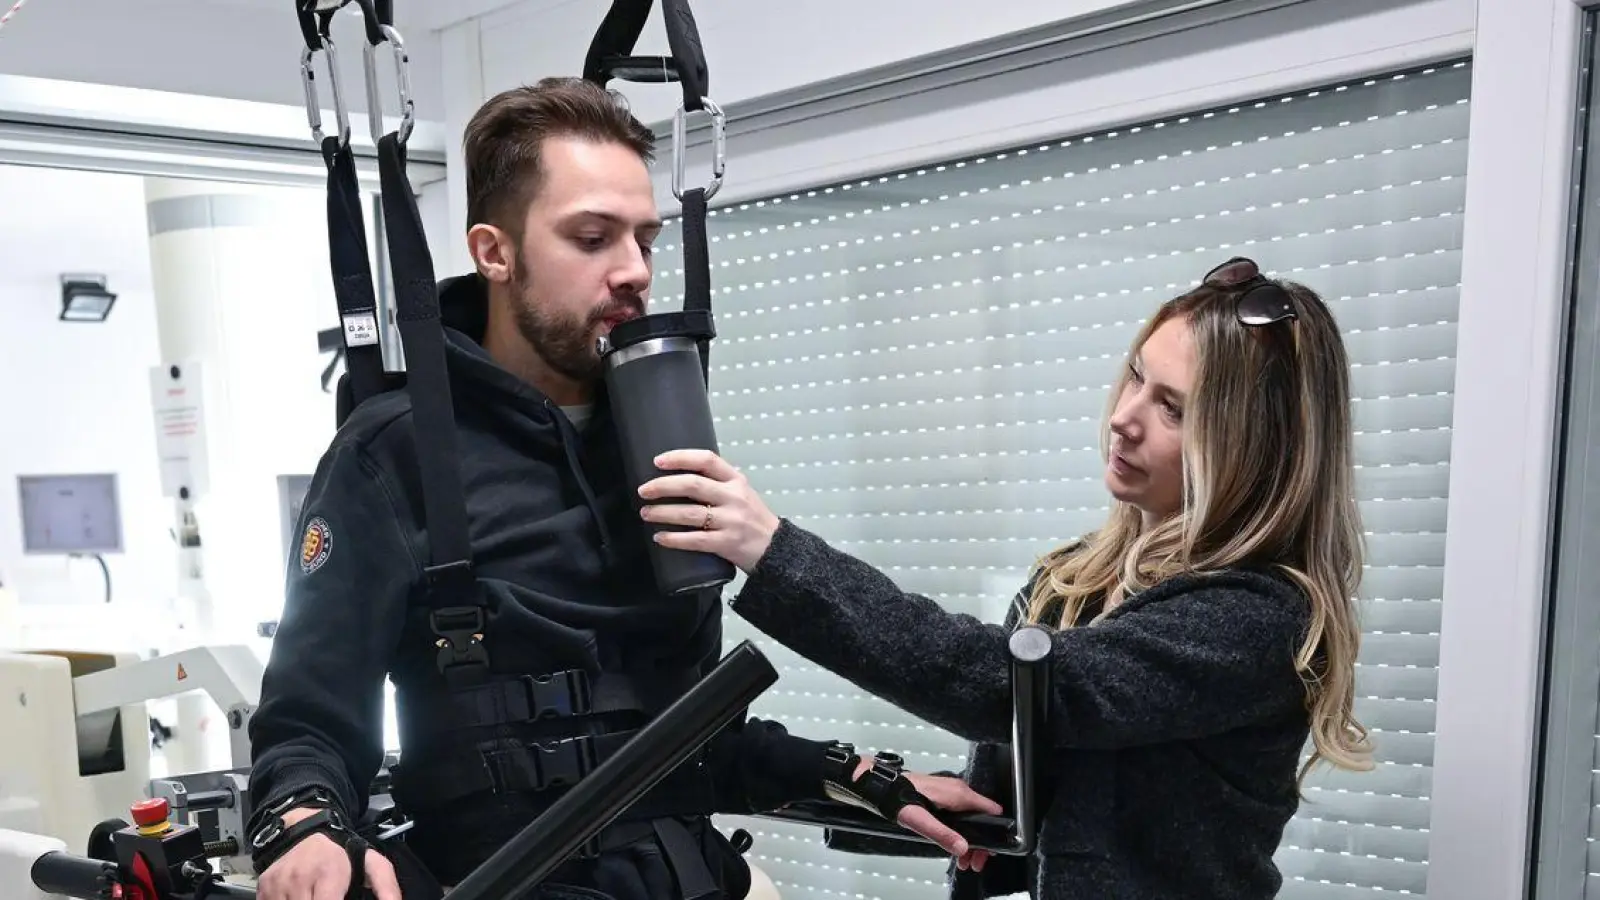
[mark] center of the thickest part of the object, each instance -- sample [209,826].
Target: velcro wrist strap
[356,846]
[267,817]
[273,839]
[884,788]
[839,763]
[888,789]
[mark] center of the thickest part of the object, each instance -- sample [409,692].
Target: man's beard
[566,344]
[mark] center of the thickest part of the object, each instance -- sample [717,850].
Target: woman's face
[1145,467]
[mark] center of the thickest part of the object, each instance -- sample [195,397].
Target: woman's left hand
[711,497]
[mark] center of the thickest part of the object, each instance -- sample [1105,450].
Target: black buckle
[563,763]
[538,766]
[561,694]
[460,636]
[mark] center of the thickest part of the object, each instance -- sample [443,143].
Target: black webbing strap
[347,234]
[314,19]
[375,15]
[610,56]
[547,699]
[509,766]
[457,602]
[452,585]
[352,273]
[610,53]
[697,266]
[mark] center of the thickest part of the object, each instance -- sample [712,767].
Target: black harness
[490,733]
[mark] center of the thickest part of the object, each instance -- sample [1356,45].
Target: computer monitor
[70,514]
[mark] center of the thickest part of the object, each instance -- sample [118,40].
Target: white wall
[753,49]
[247,300]
[750,50]
[75,395]
[217,48]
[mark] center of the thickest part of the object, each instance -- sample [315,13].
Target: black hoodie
[555,537]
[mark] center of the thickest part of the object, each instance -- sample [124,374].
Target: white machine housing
[42,786]
[18,851]
[85,712]
[62,699]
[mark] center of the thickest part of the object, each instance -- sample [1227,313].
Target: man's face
[583,264]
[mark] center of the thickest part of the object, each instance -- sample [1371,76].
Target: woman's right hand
[319,869]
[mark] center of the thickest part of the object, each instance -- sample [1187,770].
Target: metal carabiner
[402,68]
[308,77]
[719,148]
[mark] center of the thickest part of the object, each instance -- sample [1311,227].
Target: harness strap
[518,700]
[352,273]
[357,337]
[610,53]
[697,266]
[458,602]
[687,861]
[511,766]
[610,56]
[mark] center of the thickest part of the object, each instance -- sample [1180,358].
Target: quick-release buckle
[563,763]
[538,766]
[459,630]
[558,695]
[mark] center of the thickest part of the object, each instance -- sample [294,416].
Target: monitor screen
[70,514]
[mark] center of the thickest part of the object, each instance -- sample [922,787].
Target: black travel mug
[657,388]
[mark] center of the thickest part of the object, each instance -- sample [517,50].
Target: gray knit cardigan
[1177,722]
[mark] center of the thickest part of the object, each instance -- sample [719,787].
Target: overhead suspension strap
[347,233]
[610,56]
[458,615]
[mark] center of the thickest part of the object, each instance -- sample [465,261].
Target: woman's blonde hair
[1268,476]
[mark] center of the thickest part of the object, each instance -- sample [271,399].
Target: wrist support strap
[271,838]
[883,789]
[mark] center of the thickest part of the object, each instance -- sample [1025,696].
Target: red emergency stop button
[150,812]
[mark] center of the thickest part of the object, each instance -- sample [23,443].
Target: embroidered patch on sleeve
[315,545]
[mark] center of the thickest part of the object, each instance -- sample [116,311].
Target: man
[562,216]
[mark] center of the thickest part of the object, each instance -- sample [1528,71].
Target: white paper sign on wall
[177,399]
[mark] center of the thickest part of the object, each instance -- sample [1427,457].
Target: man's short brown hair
[502,143]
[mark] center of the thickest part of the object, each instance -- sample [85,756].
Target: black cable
[105,570]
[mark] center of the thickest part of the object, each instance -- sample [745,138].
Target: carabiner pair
[317,16]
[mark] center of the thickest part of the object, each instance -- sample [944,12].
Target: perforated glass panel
[915,366]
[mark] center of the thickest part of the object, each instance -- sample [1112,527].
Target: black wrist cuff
[883,789]
[888,789]
[271,837]
[839,763]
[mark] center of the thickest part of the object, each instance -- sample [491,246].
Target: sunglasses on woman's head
[1261,302]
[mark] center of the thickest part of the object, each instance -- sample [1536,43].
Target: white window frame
[1498,551]
[108,128]
[1512,302]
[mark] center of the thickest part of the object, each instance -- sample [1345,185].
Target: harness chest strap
[511,766]
[554,744]
[510,700]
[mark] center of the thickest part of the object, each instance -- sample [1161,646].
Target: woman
[1204,631]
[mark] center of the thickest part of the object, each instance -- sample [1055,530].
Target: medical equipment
[1012,835]
[193,826]
[81,731]
[155,859]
